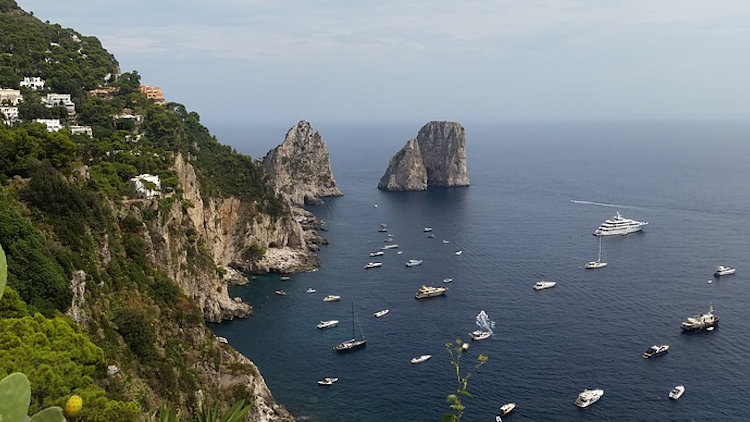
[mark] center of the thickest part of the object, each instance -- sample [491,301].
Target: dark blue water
[516,224]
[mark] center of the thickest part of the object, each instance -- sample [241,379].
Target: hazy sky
[414,61]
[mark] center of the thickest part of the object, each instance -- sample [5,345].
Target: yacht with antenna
[619,225]
[354,343]
[705,321]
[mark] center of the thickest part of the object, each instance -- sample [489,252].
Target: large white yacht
[619,225]
[589,397]
[701,322]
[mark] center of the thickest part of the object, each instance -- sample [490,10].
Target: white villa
[53,125]
[144,192]
[10,114]
[86,130]
[33,82]
[10,97]
[54,100]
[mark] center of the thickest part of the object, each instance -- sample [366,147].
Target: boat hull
[349,346]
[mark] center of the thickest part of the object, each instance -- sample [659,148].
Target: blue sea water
[537,193]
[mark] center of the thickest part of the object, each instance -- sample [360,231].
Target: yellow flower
[73,406]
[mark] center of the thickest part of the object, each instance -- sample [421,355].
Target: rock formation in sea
[300,168]
[436,157]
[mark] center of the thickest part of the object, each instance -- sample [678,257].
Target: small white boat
[331,298]
[431,235]
[399,252]
[380,313]
[446,241]
[544,284]
[420,359]
[465,346]
[480,335]
[710,328]
[656,350]
[459,252]
[328,324]
[427,229]
[280,292]
[327,381]
[677,392]
[391,246]
[598,263]
[310,290]
[413,262]
[447,280]
[378,253]
[507,408]
[722,270]
[285,278]
[588,397]
[373,265]
[383,227]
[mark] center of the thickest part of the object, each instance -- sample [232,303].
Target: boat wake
[485,323]
[604,204]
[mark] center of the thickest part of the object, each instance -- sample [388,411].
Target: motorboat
[390,246]
[378,253]
[310,290]
[599,263]
[656,350]
[722,270]
[388,240]
[331,298]
[480,335]
[701,322]
[544,284]
[413,262]
[383,228]
[285,278]
[507,408]
[459,252]
[373,265]
[430,291]
[588,397]
[431,235]
[677,392]
[380,313]
[420,359]
[447,280]
[619,225]
[327,381]
[399,252]
[446,241]
[464,346]
[280,292]
[328,324]
[354,343]
[427,229]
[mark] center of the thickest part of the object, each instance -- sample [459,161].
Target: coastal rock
[436,157]
[300,168]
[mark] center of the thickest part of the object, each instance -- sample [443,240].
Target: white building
[63,100]
[146,192]
[53,125]
[9,114]
[33,82]
[76,130]
[10,97]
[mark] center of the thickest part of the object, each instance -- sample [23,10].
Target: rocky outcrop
[300,168]
[437,157]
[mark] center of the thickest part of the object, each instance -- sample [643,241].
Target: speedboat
[390,246]
[373,265]
[588,397]
[544,284]
[280,292]
[619,225]
[447,280]
[328,324]
[378,253]
[420,359]
[446,241]
[507,408]
[656,350]
[413,262]
[459,252]
[701,322]
[310,290]
[380,313]
[722,270]
[327,381]
[480,335]
[331,298]
[427,229]
[430,291]
[676,392]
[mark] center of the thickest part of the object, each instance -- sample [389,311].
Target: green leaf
[3,271]
[50,414]
[15,396]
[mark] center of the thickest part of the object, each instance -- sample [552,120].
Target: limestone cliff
[437,157]
[300,168]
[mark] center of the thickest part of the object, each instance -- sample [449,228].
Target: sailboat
[353,343]
[598,263]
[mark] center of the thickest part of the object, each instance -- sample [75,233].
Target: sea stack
[300,168]
[436,157]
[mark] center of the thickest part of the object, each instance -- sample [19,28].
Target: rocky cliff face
[300,168]
[437,157]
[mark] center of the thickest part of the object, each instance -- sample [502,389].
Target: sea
[538,191]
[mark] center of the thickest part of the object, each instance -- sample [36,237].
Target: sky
[262,61]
